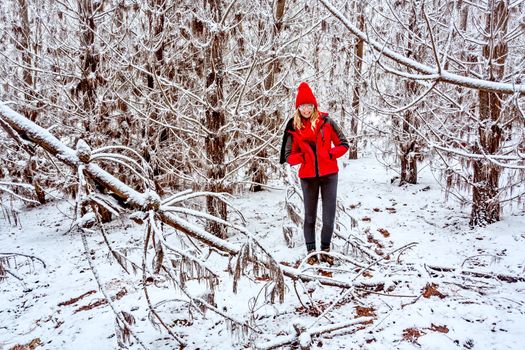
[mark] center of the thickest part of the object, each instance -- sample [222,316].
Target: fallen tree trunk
[496,276]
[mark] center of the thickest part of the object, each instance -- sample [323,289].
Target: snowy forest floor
[416,308]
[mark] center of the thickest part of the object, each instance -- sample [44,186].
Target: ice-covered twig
[32,257]
[152,228]
[22,198]
[280,341]
[6,270]
[119,315]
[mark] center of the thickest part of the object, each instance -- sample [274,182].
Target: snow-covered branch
[441,75]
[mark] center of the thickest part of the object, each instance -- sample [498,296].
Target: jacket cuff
[338,151]
[296,158]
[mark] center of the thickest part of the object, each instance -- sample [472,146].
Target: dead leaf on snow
[29,346]
[120,294]
[74,300]
[263,278]
[182,322]
[412,334]
[438,328]
[91,305]
[101,302]
[371,239]
[431,290]
[325,273]
[311,309]
[362,311]
[384,232]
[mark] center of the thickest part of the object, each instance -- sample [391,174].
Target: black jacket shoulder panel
[338,131]
[289,126]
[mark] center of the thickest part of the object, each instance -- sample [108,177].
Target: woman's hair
[298,123]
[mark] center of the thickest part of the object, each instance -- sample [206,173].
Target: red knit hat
[305,96]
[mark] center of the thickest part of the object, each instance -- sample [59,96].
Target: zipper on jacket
[313,147]
[317,170]
[316,161]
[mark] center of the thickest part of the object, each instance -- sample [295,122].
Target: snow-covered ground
[465,311]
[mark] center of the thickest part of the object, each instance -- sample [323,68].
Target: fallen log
[478,274]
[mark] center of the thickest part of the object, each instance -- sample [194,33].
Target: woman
[314,141]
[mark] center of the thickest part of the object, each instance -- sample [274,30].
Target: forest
[140,143]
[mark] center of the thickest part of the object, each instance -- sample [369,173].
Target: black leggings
[311,186]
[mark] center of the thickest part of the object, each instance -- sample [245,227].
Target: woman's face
[306,110]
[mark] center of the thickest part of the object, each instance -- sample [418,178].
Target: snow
[479,313]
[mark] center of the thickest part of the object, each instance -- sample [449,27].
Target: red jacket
[317,158]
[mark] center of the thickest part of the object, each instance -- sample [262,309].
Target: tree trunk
[409,151]
[275,66]
[24,45]
[152,132]
[86,89]
[215,119]
[359,51]
[485,201]
[408,144]
[259,166]
[29,110]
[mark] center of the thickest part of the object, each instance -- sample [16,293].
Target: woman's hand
[305,155]
[296,158]
[338,151]
[308,152]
